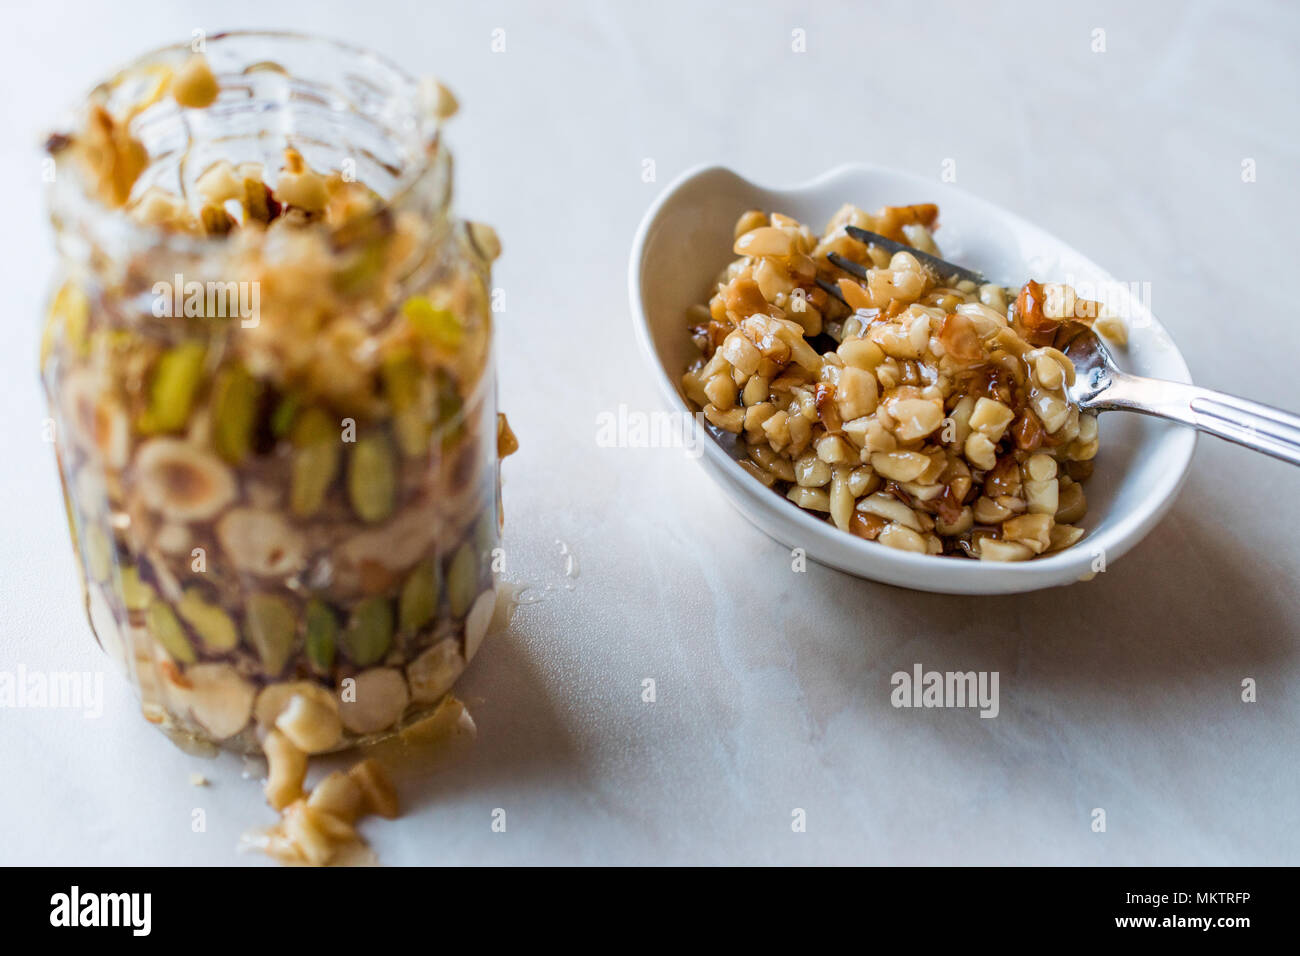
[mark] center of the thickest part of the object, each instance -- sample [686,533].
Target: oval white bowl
[685,240]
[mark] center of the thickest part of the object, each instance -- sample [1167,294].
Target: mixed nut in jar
[268,361]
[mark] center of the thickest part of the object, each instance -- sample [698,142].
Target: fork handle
[1259,427]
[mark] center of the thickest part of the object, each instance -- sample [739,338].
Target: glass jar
[277,433]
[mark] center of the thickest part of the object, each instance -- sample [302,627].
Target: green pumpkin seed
[235,399]
[462,580]
[401,377]
[213,625]
[171,390]
[270,626]
[450,417]
[313,472]
[315,461]
[412,428]
[369,632]
[283,416]
[440,326]
[99,553]
[419,600]
[372,478]
[166,629]
[314,427]
[404,380]
[136,594]
[322,635]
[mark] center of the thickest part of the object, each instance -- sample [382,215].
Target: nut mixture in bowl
[928,417]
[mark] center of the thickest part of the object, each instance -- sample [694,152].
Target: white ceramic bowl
[685,240]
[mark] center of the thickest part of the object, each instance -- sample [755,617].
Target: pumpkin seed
[315,462]
[412,417]
[270,627]
[235,398]
[313,469]
[450,417]
[462,579]
[172,388]
[213,625]
[440,326]
[314,427]
[412,428]
[167,631]
[369,632]
[283,417]
[322,635]
[419,599]
[372,477]
[136,593]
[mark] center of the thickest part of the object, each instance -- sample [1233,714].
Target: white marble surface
[773,687]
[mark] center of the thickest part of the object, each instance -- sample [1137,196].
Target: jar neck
[344,109]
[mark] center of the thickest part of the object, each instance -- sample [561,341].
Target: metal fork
[1098,384]
[1101,386]
[945,272]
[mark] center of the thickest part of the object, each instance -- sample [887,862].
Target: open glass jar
[268,362]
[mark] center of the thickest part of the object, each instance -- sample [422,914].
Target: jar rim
[82,205]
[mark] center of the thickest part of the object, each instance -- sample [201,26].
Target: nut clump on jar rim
[926,416]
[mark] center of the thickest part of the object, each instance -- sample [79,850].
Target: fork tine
[848,265]
[941,267]
[832,289]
